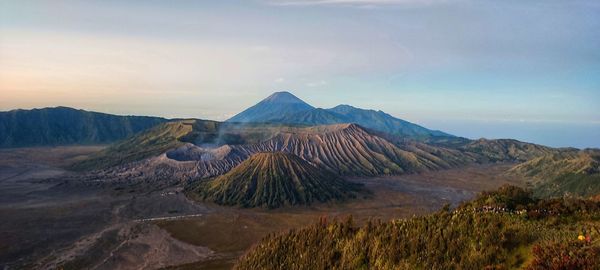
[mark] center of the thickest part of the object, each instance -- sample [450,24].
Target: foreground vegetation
[505,229]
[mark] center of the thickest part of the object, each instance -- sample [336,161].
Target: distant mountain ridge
[503,150]
[381,121]
[68,126]
[284,107]
[64,126]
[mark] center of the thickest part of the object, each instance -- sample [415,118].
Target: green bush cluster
[464,238]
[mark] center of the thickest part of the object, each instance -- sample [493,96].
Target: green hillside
[174,134]
[568,172]
[66,126]
[503,150]
[273,180]
[506,229]
[151,143]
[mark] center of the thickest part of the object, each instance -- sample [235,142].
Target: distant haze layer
[550,134]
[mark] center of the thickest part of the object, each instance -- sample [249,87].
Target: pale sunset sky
[528,70]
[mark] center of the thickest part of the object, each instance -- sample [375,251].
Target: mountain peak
[284,107]
[343,108]
[283,97]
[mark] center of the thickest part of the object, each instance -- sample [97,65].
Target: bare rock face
[344,149]
[191,152]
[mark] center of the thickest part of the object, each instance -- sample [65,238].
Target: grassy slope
[570,183]
[566,172]
[273,180]
[503,150]
[466,238]
[153,142]
[67,126]
[170,135]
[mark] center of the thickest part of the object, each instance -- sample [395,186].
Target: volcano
[275,179]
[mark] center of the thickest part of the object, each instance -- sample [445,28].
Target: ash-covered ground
[53,218]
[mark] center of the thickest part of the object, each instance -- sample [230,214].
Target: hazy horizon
[510,69]
[554,134]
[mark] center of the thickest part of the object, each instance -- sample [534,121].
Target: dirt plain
[50,220]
